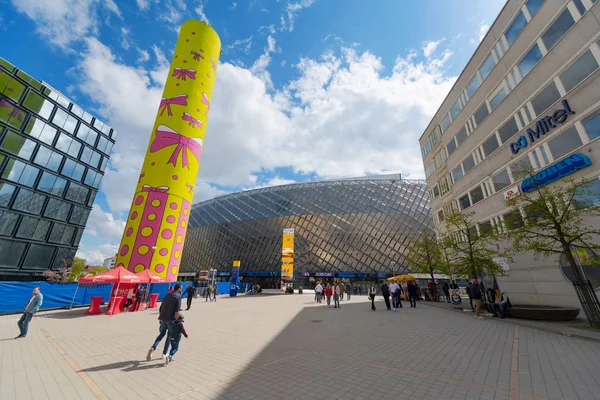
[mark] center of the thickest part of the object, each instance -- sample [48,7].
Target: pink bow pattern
[166,137]
[165,104]
[197,56]
[213,64]
[192,121]
[183,74]
[207,102]
[160,189]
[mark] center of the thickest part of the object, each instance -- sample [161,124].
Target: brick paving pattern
[286,347]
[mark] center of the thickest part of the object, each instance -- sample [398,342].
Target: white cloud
[430,47]
[125,38]
[61,21]
[246,44]
[292,10]
[112,6]
[159,76]
[97,254]
[200,12]
[233,6]
[483,29]
[144,56]
[259,68]
[341,117]
[142,4]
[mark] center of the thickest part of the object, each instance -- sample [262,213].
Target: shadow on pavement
[126,366]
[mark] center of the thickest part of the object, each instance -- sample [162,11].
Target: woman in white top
[372,292]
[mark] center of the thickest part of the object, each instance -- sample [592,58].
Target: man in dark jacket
[168,312]
[191,292]
[446,290]
[385,292]
[411,288]
[476,295]
[468,290]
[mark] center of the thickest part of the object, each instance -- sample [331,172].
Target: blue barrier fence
[15,295]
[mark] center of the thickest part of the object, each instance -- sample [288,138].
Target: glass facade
[355,226]
[52,159]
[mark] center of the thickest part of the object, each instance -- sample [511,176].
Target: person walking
[177,329]
[328,293]
[337,291]
[468,290]
[411,288]
[191,291]
[33,306]
[385,292]
[209,290]
[214,292]
[168,312]
[476,295]
[396,290]
[342,290]
[446,290]
[139,295]
[318,292]
[349,289]
[372,293]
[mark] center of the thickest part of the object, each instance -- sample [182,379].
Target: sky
[305,90]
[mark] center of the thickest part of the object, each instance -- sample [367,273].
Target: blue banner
[554,172]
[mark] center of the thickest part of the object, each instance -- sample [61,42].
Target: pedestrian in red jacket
[328,293]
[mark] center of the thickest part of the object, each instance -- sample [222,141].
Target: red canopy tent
[117,275]
[150,277]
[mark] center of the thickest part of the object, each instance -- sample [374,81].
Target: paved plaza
[286,347]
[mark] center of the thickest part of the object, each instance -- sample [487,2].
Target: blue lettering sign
[543,126]
[554,172]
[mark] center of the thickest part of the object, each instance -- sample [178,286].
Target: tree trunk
[585,292]
[433,287]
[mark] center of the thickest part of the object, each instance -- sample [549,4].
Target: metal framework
[351,225]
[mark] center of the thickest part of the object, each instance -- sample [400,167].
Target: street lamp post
[393,268]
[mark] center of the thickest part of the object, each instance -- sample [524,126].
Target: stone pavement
[286,347]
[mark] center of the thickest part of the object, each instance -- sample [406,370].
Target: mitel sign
[554,172]
[543,126]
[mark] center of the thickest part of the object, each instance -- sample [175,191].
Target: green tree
[469,253]
[98,269]
[77,267]
[552,220]
[425,257]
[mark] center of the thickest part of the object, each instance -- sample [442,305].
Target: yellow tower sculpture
[158,219]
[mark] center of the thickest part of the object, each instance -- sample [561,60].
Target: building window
[38,105]
[548,96]
[440,215]
[33,228]
[12,115]
[530,60]
[481,113]
[476,195]
[20,172]
[455,109]
[61,233]
[580,7]
[68,145]
[485,228]
[515,29]
[497,98]
[57,209]
[464,202]
[77,193]
[7,222]
[48,158]
[445,122]
[469,163]
[557,30]
[6,192]
[565,143]
[587,195]
[513,220]
[39,130]
[18,145]
[473,85]
[79,215]
[533,6]
[508,130]
[592,125]
[73,170]
[487,66]
[501,180]
[52,184]
[457,173]
[29,202]
[10,253]
[38,257]
[461,135]
[87,134]
[451,146]
[583,67]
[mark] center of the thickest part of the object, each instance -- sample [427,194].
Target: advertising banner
[235,275]
[287,255]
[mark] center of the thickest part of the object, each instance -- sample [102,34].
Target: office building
[359,227]
[109,262]
[530,95]
[52,158]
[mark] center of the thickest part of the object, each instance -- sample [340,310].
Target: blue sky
[306,89]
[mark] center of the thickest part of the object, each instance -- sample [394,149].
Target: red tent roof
[148,276]
[117,275]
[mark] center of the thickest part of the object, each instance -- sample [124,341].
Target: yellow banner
[287,254]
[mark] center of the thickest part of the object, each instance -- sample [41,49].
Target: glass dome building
[359,227]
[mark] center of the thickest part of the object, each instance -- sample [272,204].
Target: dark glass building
[52,159]
[344,228]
